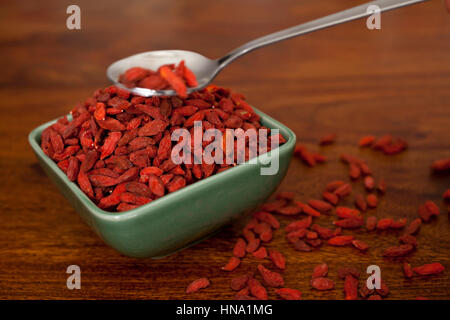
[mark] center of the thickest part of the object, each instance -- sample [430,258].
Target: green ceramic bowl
[181,218]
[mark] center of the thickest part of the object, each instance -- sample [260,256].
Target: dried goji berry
[239,248]
[414,226]
[320,270]
[385,223]
[261,253]
[328,139]
[340,240]
[372,200]
[407,270]
[322,283]
[299,224]
[268,218]
[239,283]
[344,272]
[399,251]
[197,285]
[366,141]
[319,205]
[289,210]
[232,264]
[429,269]
[360,245]
[360,202]
[330,197]
[257,290]
[351,288]
[277,258]
[371,223]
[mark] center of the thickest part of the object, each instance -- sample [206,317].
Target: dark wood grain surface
[347,80]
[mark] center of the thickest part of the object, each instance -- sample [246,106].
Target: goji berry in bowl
[181,218]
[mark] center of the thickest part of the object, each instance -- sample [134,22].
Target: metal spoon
[207,69]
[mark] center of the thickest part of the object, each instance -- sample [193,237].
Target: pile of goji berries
[305,234]
[118,145]
[166,77]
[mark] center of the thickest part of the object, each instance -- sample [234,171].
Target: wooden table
[347,80]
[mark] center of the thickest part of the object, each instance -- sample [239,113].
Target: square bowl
[181,218]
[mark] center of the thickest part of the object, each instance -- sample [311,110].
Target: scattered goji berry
[351,288]
[271,278]
[320,270]
[340,240]
[232,264]
[197,285]
[322,283]
[257,290]
[289,294]
[239,248]
[277,258]
[429,269]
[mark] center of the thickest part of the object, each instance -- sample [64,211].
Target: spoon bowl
[205,69]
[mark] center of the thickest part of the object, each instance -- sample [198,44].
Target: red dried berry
[407,270]
[301,245]
[385,223]
[272,279]
[349,223]
[360,202]
[343,190]
[253,243]
[340,241]
[261,253]
[232,264]
[257,290]
[360,245]
[323,232]
[322,283]
[330,197]
[372,200]
[441,165]
[239,248]
[366,141]
[239,283]
[268,218]
[399,251]
[351,288]
[344,272]
[414,226]
[286,195]
[277,258]
[309,211]
[197,285]
[408,239]
[333,185]
[371,223]
[320,270]
[327,139]
[369,183]
[289,210]
[299,224]
[319,205]
[429,269]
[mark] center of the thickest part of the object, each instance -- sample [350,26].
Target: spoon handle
[321,23]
